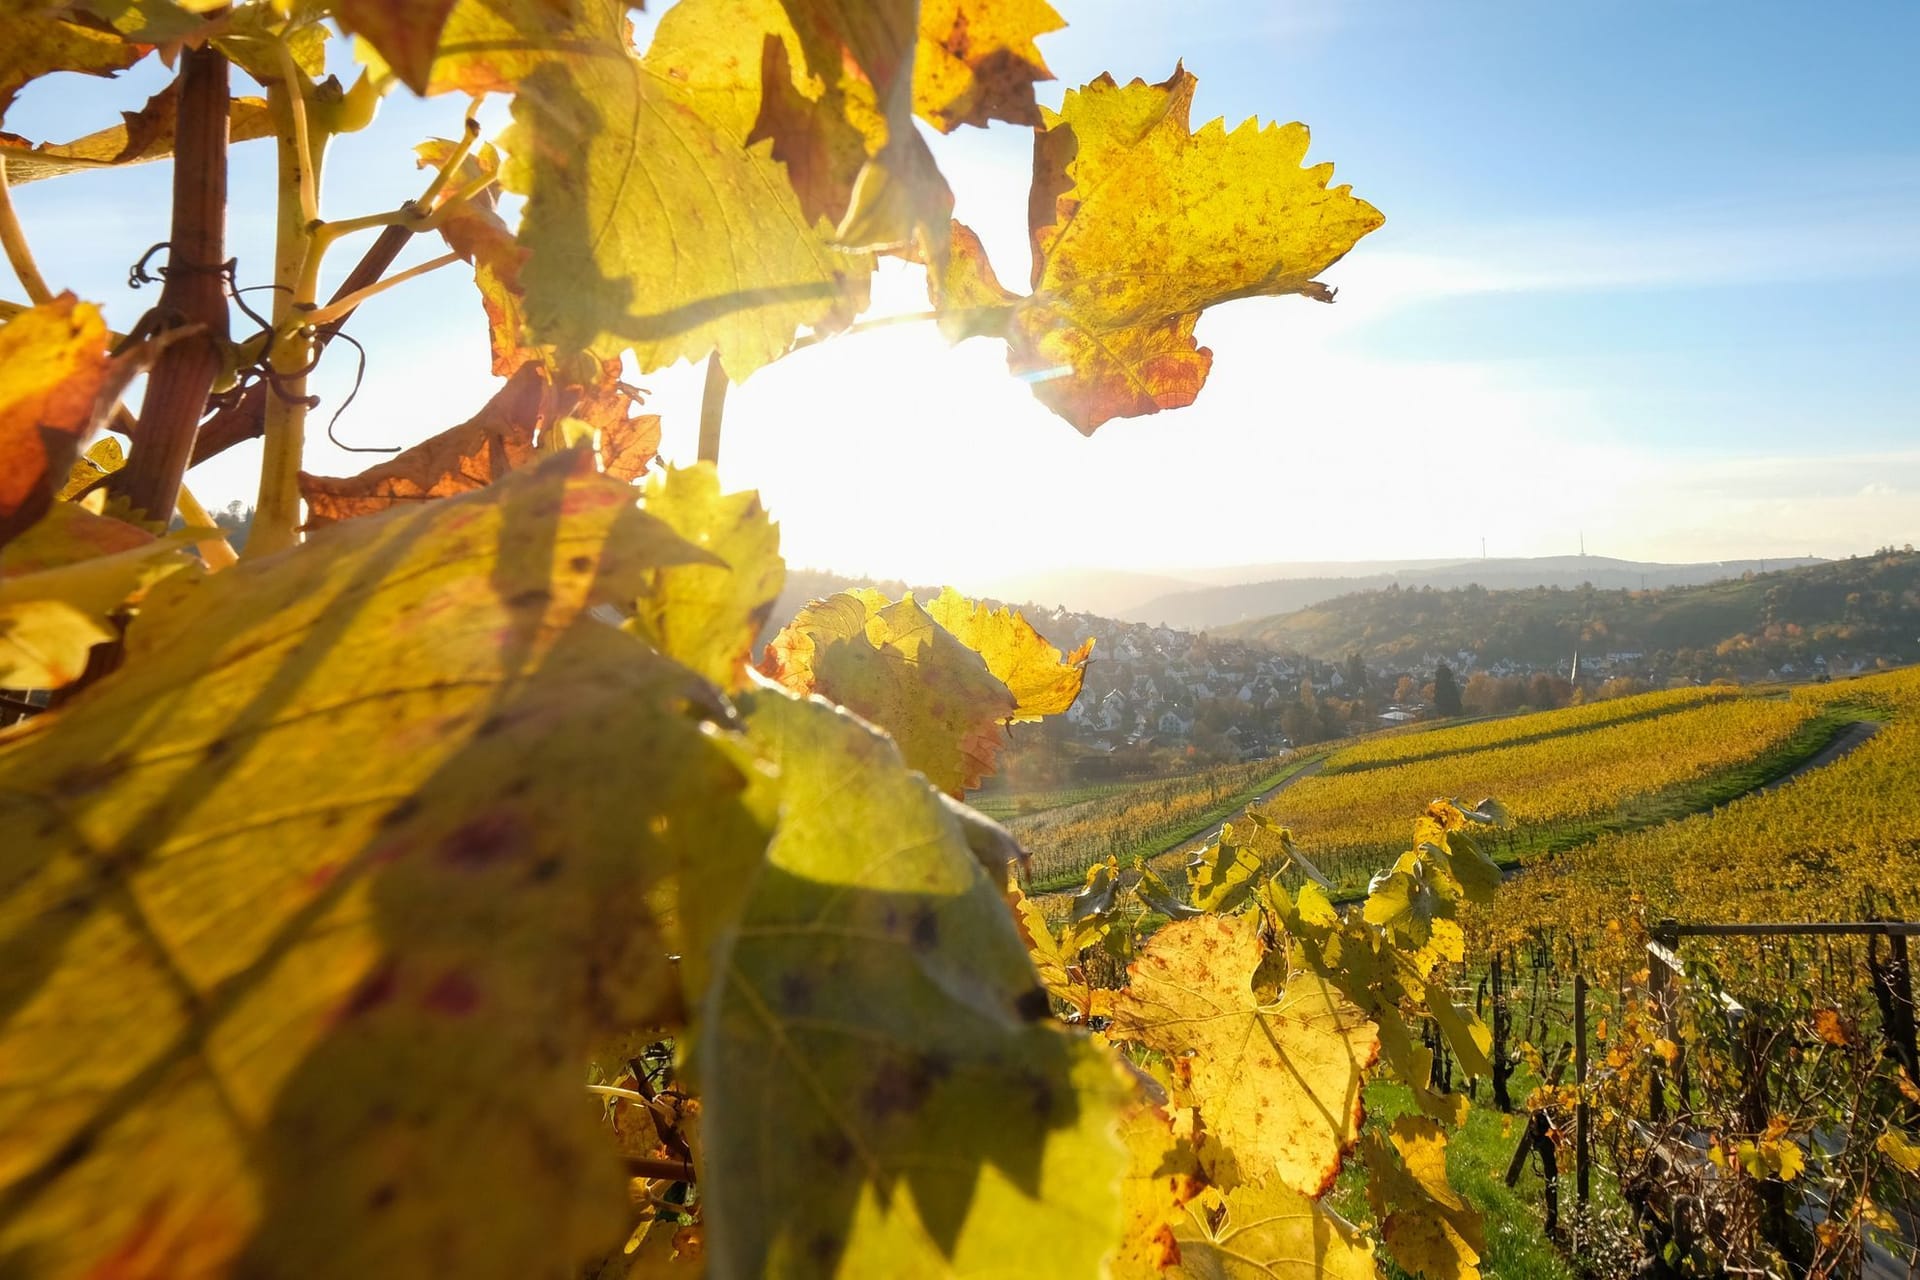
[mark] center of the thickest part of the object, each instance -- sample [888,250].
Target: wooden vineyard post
[1666,936]
[1893,991]
[1582,1116]
[1502,1065]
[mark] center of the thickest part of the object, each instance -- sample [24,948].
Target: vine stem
[194,296]
[713,409]
[276,518]
[670,1170]
[215,551]
[346,306]
[19,256]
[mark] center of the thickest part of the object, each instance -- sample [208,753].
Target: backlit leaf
[1139,223]
[1465,1032]
[54,371]
[977,61]
[707,616]
[37,45]
[639,200]
[59,582]
[474,454]
[1222,876]
[1269,1232]
[1277,1077]
[1428,1229]
[142,136]
[872,1013]
[313,909]
[406,32]
[1896,1147]
[892,663]
[1163,1174]
[1042,681]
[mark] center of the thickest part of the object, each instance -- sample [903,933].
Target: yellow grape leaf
[1465,1032]
[977,61]
[59,582]
[489,46]
[835,100]
[314,908]
[893,664]
[1043,682]
[54,374]
[478,452]
[405,32]
[1405,901]
[102,458]
[1897,1147]
[1832,1028]
[1427,1228]
[37,45]
[1139,223]
[142,136]
[708,615]
[1277,1077]
[1269,1232]
[1163,1174]
[1053,965]
[874,1013]
[1222,876]
[618,156]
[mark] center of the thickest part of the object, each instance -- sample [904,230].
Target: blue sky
[1649,273]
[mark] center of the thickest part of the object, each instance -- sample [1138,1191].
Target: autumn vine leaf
[619,155]
[1163,1174]
[1139,223]
[708,616]
[141,136]
[476,453]
[1268,1232]
[1042,680]
[300,978]
[892,663]
[61,581]
[39,45]
[54,374]
[873,1011]
[977,61]
[405,32]
[1427,1227]
[1274,1063]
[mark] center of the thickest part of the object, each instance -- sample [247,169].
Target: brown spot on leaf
[897,1087]
[486,841]
[452,993]
[374,990]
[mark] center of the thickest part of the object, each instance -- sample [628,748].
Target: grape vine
[338,871]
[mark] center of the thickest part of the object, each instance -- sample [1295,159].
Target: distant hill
[1246,600]
[1863,607]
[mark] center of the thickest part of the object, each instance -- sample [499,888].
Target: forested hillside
[1856,611]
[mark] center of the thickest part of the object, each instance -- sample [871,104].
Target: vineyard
[1140,819]
[1566,776]
[1559,789]
[1403,747]
[1846,837]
